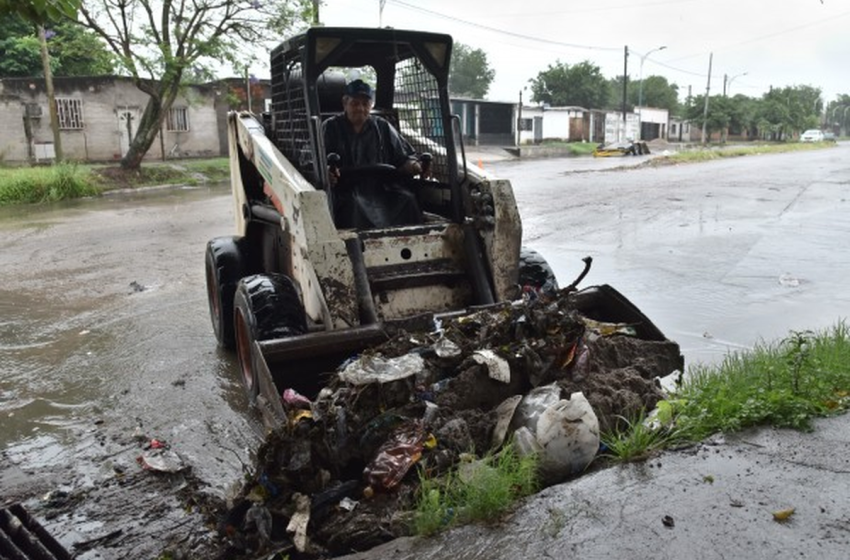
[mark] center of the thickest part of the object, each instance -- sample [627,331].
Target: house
[682,130]
[653,122]
[483,123]
[98,117]
[575,124]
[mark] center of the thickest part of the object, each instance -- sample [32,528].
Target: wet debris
[159,457]
[342,473]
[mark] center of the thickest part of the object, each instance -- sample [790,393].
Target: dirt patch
[120,178]
[336,478]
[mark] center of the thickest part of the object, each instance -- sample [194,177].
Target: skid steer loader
[294,292]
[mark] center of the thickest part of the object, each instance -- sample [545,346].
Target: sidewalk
[714,500]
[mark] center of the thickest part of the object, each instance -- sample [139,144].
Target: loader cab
[409,74]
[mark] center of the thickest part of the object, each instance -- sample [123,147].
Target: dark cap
[358,88]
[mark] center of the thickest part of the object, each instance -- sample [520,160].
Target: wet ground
[105,339]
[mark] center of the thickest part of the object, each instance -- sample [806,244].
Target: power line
[502,31]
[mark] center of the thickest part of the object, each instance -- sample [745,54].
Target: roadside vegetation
[479,491]
[784,384]
[712,153]
[28,185]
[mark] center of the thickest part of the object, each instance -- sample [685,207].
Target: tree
[470,74]
[657,92]
[74,51]
[785,111]
[837,114]
[561,85]
[38,13]
[160,42]
[719,113]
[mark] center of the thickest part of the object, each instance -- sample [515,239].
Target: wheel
[225,265]
[266,307]
[534,271]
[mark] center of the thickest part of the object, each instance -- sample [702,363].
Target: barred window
[527,124]
[70,113]
[178,119]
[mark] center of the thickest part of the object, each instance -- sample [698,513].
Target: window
[527,124]
[70,113]
[178,119]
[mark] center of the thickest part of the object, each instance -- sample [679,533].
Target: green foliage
[470,73]
[40,11]
[804,376]
[635,439]
[478,491]
[74,51]
[778,115]
[657,92]
[562,85]
[45,184]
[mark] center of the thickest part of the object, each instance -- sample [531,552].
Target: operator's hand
[333,175]
[412,167]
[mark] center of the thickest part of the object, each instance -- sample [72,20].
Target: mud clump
[341,476]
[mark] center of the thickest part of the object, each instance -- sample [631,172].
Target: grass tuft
[45,184]
[478,491]
[636,439]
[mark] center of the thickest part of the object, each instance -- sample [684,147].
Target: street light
[844,121]
[640,91]
[731,80]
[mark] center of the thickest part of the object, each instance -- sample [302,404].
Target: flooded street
[718,255]
[106,343]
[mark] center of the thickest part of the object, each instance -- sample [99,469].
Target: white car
[812,135]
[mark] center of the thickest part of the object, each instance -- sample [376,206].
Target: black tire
[266,307]
[225,265]
[534,271]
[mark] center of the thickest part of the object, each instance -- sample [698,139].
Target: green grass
[479,491]
[27,185]
[45,184]
[637,439]
[785,384]
[707,154]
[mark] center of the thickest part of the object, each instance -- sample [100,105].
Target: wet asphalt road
[105,335]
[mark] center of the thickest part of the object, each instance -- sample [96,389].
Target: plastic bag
[395,457]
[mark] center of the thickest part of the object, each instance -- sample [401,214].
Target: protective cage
[411,74]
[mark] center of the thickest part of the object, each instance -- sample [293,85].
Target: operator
[363,139]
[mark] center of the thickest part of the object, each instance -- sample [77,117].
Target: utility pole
[316,19]
[519,121]
[51,96]
[381,4]
[707,90]
[625,87]
[724,84]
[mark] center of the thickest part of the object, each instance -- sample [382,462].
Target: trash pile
[341,476]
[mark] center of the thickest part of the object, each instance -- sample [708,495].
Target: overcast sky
[775,42]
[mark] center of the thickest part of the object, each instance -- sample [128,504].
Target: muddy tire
[266,307]
[225,266]
[534,271]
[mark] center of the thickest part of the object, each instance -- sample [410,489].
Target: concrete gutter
[713,500]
